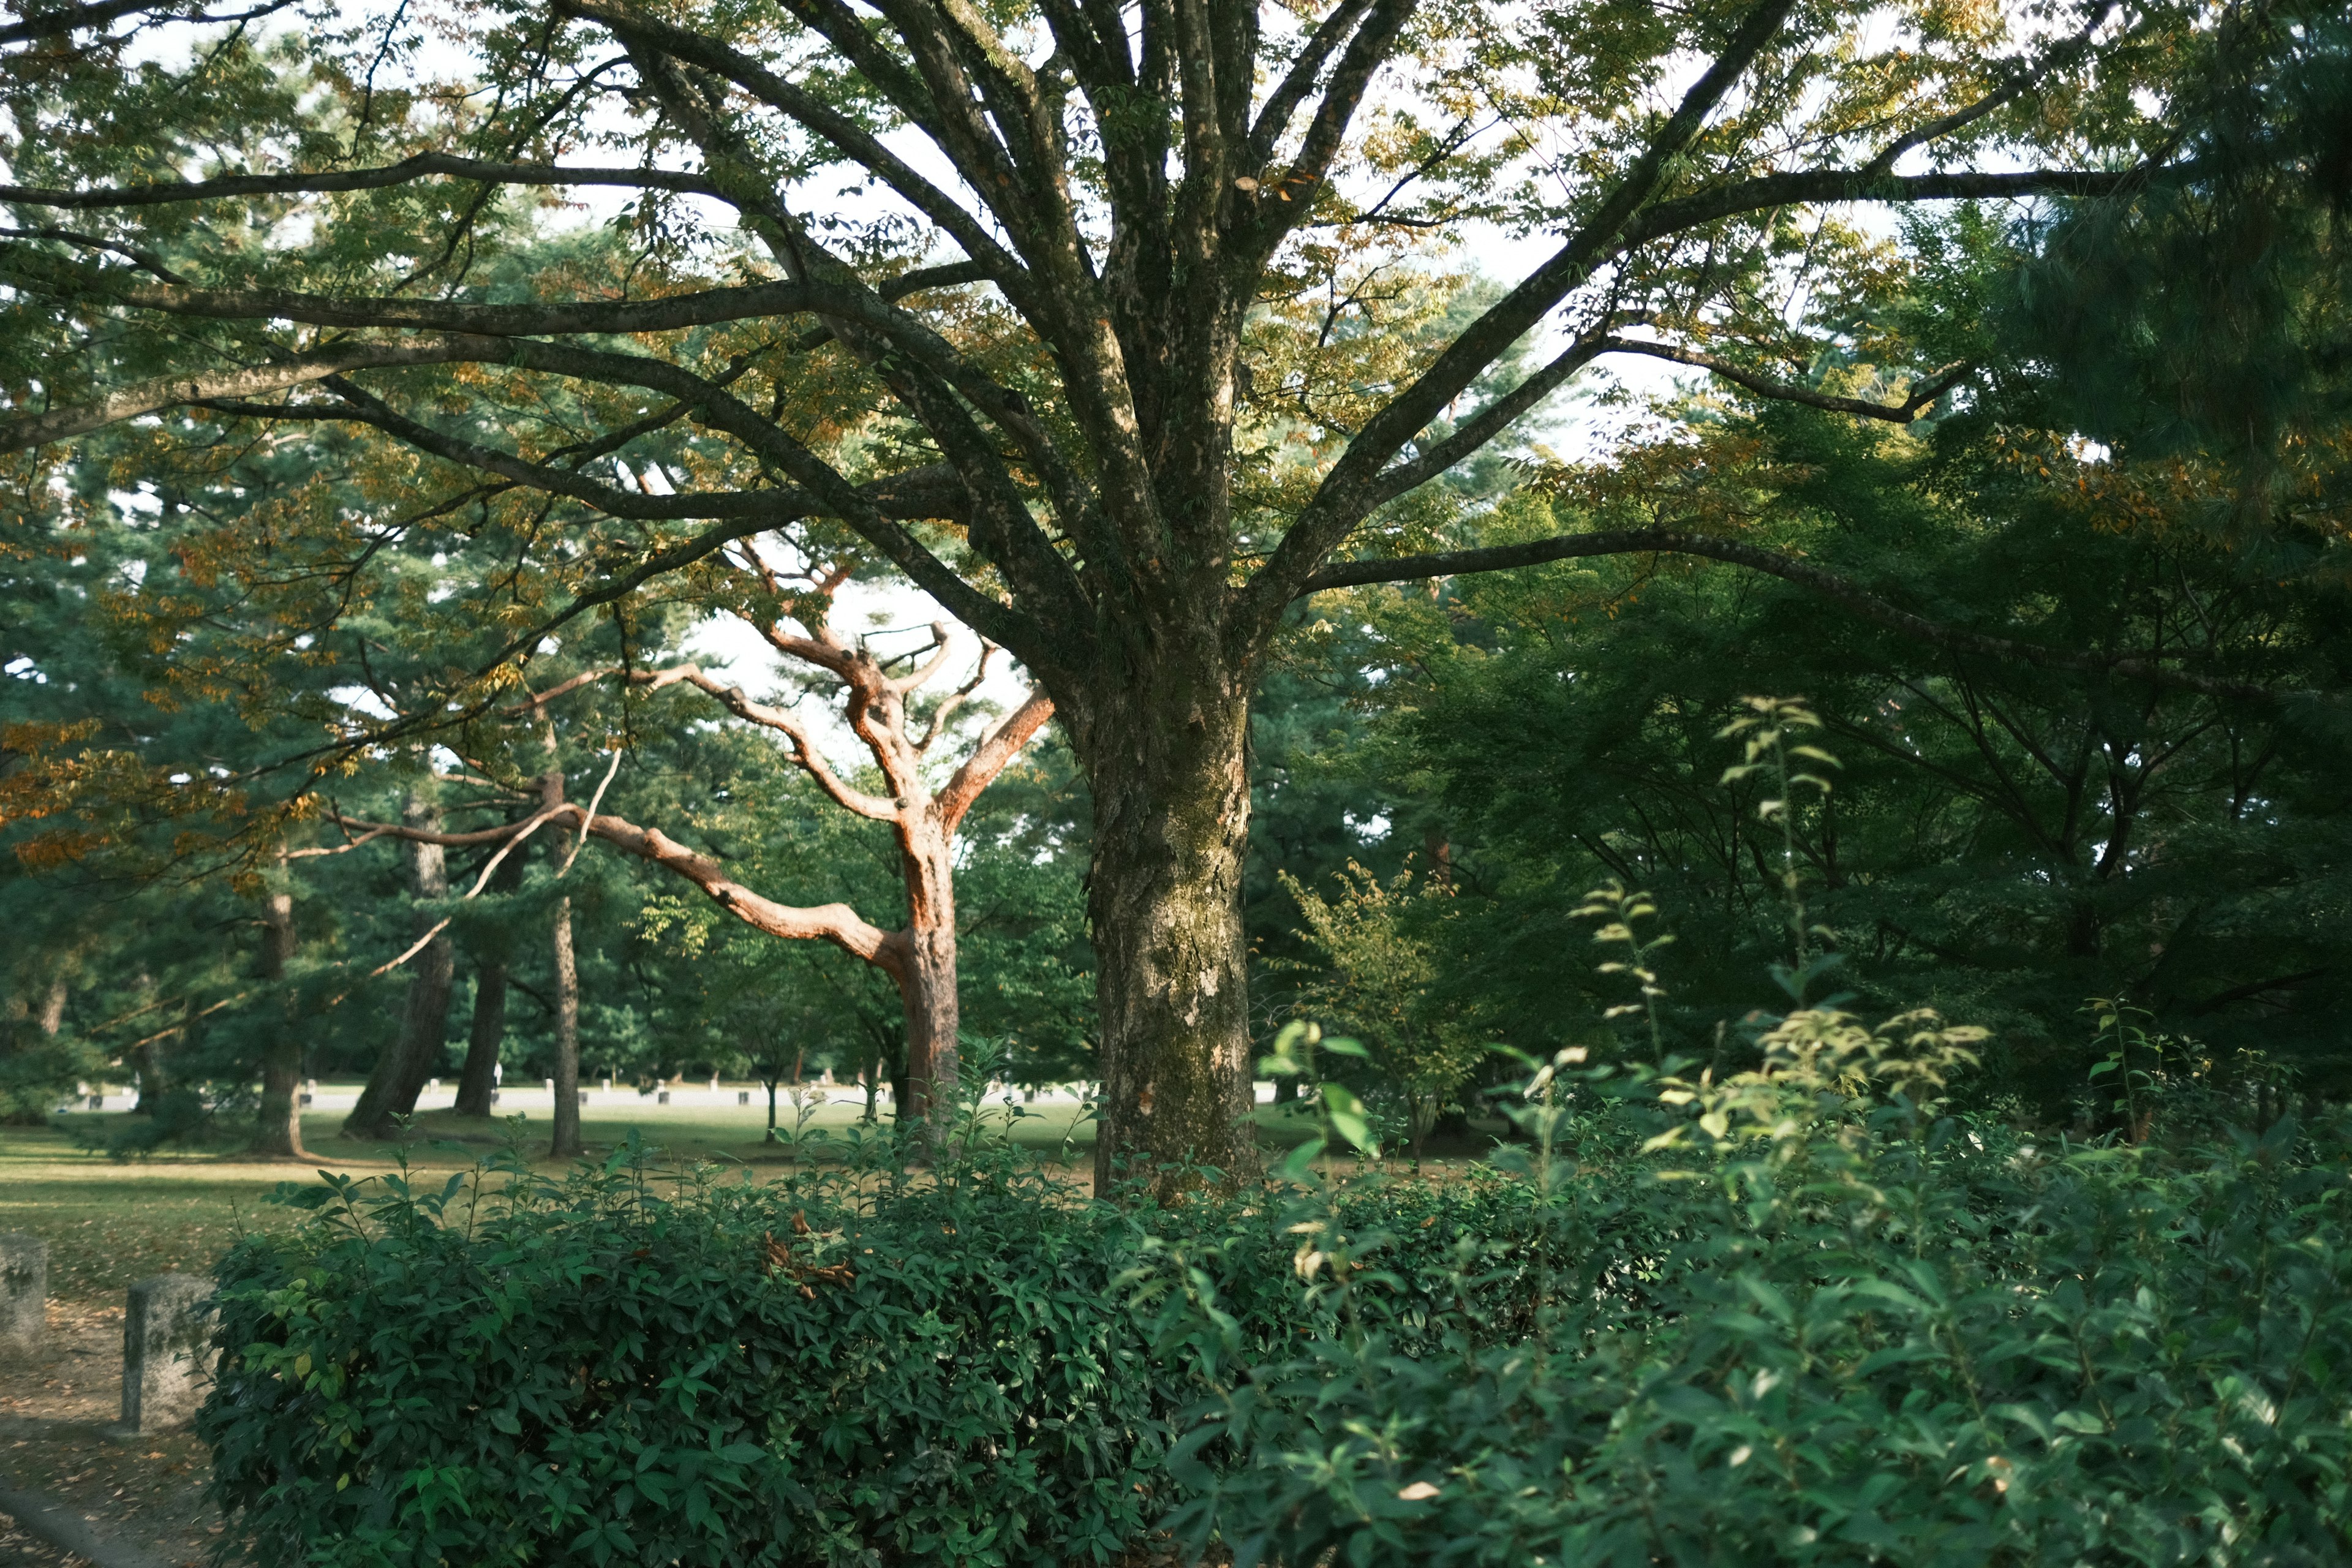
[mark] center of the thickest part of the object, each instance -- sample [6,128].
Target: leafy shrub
[1845,1330]
[1794,1315]
[848,1366]
[625,1368]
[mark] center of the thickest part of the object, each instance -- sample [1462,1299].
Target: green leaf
[1344,1112]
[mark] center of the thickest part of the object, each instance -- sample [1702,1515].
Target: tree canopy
[1118,332]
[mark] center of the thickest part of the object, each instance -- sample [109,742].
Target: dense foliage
[619,1368]
[1797,1314]
[1852,1331]
[195,698]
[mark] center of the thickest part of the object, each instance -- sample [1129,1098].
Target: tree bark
[53,1008]
[479,1079]
[1171,815]
[400,1073]
[277,1124]
[148,1061]
[927,977]
[566,1143]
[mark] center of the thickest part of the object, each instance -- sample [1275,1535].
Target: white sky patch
[360,700]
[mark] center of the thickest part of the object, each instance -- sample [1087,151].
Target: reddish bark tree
[920,956]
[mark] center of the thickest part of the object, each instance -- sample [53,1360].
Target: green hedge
[969,1366]
[1797,1315]
[624,1369]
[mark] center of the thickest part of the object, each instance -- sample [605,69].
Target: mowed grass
[110,1222]
[110,1225]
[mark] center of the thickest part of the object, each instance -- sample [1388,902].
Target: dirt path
[57,1410]
[18,1550]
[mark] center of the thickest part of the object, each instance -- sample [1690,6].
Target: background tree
[879,692]
[1377,984]
[281,965]
[2006,838]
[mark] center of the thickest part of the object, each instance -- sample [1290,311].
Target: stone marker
[24,1290]
[166,1350]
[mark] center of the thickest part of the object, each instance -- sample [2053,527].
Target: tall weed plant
[1854,1330]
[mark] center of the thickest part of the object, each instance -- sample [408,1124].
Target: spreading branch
[1921,395]
[2141,666]
[408,171]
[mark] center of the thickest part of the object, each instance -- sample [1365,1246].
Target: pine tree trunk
[483,1040]
[425,1024]
[480,1079]
[278,1125]
[566,1143]
[1166,755]
[53,1008]
[147,1061]
[400,1073]
[926,982]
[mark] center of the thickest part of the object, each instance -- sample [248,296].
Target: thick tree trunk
[147,1060]
[566,1143]
[277,1124]
[926,980]
[400,1073]
[479,1079]
[1166,758]
[53,1009]
[424,1024]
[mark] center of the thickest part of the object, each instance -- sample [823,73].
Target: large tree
[259,236]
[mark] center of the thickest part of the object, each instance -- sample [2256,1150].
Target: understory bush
[854,1365]
[1796,1314]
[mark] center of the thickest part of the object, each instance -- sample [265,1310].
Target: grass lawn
[110,1222]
